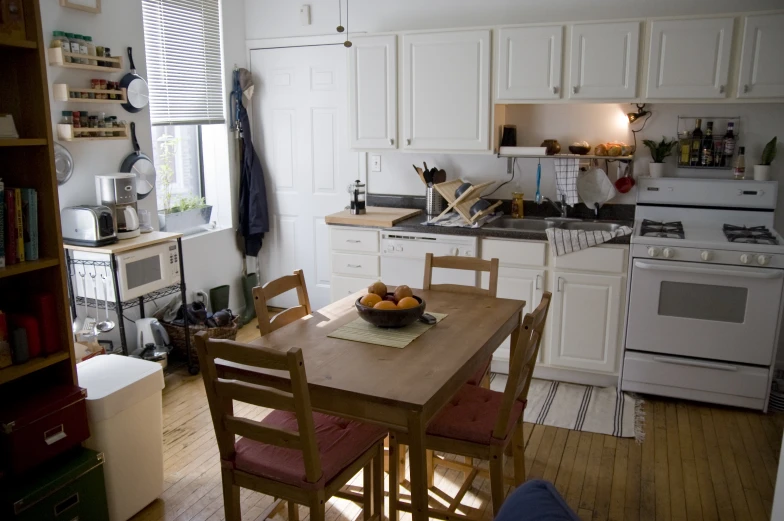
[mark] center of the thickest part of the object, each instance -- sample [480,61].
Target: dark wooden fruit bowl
[391,317]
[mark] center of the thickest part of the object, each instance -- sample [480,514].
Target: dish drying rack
[462,205]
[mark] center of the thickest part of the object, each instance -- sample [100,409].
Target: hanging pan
[141,165]
[136,88]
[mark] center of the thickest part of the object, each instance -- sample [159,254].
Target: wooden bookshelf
[24,93]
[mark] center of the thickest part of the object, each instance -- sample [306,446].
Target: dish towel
[570,241]
[566,171]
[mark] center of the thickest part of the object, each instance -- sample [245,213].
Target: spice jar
[99,52]
[115,126]
[101,123]
[75,121]
[103,87]
[517,204]
[107,54]
[93,122]
[85,119]
[67,118]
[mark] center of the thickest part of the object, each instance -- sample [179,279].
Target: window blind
[184,72]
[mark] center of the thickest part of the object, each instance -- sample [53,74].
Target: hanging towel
[570,241]
[566,171]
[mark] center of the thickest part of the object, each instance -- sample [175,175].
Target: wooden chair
[480,423]
[273,288]
[292,453]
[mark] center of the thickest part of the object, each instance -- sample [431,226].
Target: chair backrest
[273,288]
[521,368]
[461,263]
[221,393]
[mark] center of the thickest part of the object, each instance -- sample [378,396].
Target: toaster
[88,226]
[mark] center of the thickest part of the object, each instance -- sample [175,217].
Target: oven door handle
[694,363]
[766,274]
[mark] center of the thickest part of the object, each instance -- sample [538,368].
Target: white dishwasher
[403,258]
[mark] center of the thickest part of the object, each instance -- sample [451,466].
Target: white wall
[279,18]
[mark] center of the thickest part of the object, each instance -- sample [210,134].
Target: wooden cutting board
[375,216]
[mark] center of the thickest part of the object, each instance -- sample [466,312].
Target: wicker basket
[177,334]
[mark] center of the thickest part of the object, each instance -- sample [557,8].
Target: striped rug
[581,407]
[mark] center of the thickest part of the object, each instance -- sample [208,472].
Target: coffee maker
[118,192]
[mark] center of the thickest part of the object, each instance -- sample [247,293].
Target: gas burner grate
[668,230]
[751,235]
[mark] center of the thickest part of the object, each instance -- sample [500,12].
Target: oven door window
[143,271]
[703,301]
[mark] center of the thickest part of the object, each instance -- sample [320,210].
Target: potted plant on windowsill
[659,151]
[762,170]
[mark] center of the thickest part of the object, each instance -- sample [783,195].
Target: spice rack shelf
[687,123]
[62,92]
[57,58]
[69,133]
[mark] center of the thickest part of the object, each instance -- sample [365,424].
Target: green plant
[769,152]
[186,203]
[660,150]
[167,146]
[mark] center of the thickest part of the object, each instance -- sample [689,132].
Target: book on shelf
[10,227]
[2,224]
[18,225]
[5,344]
[30,223]
[20,253]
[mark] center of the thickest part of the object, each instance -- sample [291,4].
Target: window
[185,77]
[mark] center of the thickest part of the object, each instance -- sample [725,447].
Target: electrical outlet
[375,163]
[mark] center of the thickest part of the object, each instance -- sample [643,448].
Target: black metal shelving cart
[119,306]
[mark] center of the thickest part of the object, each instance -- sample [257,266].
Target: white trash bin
[125,411]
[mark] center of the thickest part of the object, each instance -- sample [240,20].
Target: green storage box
[70,487]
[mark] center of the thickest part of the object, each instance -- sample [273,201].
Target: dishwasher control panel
[418,245]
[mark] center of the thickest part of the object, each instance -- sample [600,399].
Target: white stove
[706,278]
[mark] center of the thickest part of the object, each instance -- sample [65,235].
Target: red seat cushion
[476,378]
[471,416]
[340,443]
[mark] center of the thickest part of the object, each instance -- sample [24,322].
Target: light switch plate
[304,14]
[375,163]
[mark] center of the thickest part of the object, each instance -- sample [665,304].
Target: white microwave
[147,269]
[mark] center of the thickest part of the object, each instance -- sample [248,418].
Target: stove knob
[745,258]
[668,253]
[706,255]
[763,260]
[653,252]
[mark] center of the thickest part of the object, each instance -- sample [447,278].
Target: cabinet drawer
[610,260]
[689,374]
[351,239]
[353,264]
[515,253]
[344,286]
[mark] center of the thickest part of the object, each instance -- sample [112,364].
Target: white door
[689,58]
[761,69]
[299,116]
[604,60]
[372,92]
[585,317]
[446,91]
[529,62]
[518,284]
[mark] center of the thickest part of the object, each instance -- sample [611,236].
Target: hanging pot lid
[63,164]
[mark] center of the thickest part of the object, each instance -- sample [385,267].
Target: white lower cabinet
[343,286]
[354,259]
[585,318]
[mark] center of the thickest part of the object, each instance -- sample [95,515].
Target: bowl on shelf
[579,149]
[392,318]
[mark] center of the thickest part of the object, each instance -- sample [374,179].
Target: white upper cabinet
[529,62]
[604,60]
[372,91]
[446,84]
[689,58]
[761,62]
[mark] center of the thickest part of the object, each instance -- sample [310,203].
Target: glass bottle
[696,142]
[82,48]
[685,148]
[739,172]
[73,43]
[67,117]
[728,144]
[90,49]
[706,156]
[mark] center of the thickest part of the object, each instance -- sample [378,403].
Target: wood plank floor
[697,462]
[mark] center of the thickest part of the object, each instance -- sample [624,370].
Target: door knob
[746,88]
[408,142]
[575,89]
[721,89]
[391,141]
[555,90]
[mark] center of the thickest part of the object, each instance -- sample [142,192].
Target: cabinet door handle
[54,435]
[746,88]
[555,90]
[408,142]
[391,141]
[559,285]
[353,241]
[354,265]
[538,282]
[721,89]
[694,363]
[575,89]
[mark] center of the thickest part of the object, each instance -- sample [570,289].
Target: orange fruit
[370,300]
[385,304]
[379,288]
[402,292]
[407,302]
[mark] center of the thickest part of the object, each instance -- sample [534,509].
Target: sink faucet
[562,209]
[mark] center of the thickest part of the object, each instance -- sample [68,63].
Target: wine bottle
[739,172]
[696,142]
[706,155]
[728,144]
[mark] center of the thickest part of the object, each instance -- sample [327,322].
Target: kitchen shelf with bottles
[59,58]
[67,132]
[64,92]
[720,159]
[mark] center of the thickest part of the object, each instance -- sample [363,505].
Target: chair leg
[231,497]
[367,491]
[401,477]
[317,507]
[468,461]
[485,382]
[378,483]
[293,511]
[518,448]
[497,485]
[394,479]
[430,468]
[386,454]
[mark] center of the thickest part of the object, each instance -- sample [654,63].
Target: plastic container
[90,49]
[79,46]
[125,413]
[73,44]
[60,40]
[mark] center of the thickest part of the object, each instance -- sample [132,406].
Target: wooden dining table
[401,389]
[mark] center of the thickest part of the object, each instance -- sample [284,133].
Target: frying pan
[141,165]
[136,88]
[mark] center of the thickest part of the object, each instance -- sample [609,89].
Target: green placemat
[361,331]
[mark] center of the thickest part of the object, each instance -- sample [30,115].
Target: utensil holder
[434,203]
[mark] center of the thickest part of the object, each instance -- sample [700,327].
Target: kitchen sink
[510,223]
[590,226]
